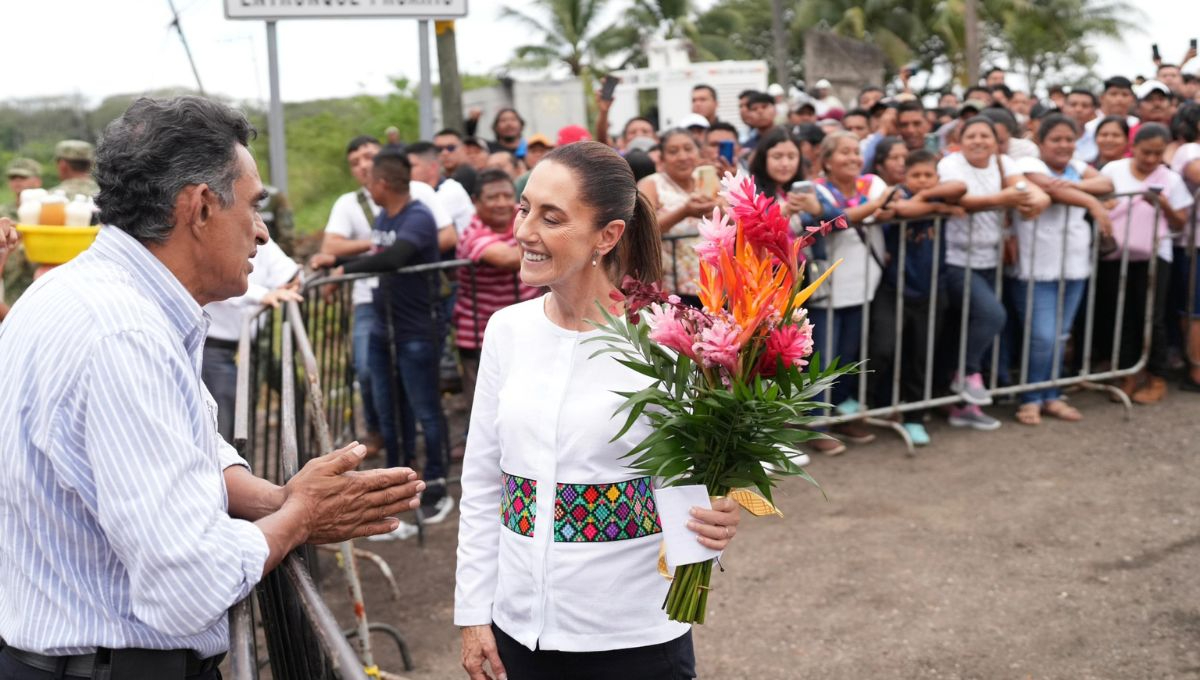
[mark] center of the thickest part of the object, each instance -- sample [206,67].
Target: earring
[595,256]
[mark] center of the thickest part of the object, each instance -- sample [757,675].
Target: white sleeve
[346,218]
[479,521]
[280,267]
[1177,194]
[462,208]
[878,186]
[950,169]
[424,193]
[1032,165]
[1010,166]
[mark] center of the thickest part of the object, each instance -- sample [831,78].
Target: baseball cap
[23,167]
[823,84]
[74,150]
[834,113]
[694,120]
[1150,87]
[973,105]
[775,90]
[539,138]
[572,133]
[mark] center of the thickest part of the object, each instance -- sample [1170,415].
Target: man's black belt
[121,664]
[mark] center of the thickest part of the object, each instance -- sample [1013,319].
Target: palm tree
[896,28]
[566,32]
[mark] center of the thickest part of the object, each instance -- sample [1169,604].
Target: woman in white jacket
[558,541]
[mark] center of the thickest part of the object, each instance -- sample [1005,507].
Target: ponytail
[638,253]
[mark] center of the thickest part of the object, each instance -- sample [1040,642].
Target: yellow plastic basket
[55,245]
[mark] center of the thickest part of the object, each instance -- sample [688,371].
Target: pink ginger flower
[668,330]
[791,344]
[719,345]
[717,233]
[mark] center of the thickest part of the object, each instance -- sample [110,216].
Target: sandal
[1062,410]
[1029,414]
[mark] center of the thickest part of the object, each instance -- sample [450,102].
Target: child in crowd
[906,316]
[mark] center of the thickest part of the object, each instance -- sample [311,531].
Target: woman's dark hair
[1119,121]
[1052,121]
[156,149]
[882,151]
[641,163]
[631,121]
[977,120]
[1149,131]
[606,185]
[758,162]
[1185,125]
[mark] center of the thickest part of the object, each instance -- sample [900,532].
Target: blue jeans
[364,321]
[987,315]
[1043,322]
[839,336]
[416,398]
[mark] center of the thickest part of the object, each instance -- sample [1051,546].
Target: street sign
[274,10]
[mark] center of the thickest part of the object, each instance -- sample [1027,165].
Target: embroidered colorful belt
[584,513]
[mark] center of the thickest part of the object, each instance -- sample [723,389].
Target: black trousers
[914,335]
[673,660]
[1108,283]
[12,669]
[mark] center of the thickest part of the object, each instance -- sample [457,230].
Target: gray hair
[156,149]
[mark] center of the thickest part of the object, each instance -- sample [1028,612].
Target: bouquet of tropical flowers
[734,383]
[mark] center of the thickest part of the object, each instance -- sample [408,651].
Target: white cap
[823,84]
[693,120]
[1142,91]
[775,90]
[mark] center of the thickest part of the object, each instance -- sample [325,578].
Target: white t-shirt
[1121,174]
[347,219]
[1185,156]
[987,226]
[457,203]
[1043,254]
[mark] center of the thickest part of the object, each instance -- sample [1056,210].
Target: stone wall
[846,63]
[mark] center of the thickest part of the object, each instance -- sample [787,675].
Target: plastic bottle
[79,211]
[30,211]
[54,209]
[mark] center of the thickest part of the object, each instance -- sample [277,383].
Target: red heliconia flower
[792,344]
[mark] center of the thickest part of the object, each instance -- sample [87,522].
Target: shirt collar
[157,282]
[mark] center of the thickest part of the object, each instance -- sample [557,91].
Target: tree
[648,21]
[1052,37]
[570,35]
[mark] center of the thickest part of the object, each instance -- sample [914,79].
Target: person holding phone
[778,172]
[679,205]
[721,148]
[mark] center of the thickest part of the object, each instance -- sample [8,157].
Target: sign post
[271,11]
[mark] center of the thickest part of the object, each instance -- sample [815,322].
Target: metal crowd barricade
[932,397]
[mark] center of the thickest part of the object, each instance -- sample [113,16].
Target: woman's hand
[699,205]
[479,645]
[798,202]
[8,239]
[716,527]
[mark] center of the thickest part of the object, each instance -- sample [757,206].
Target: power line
[183,39]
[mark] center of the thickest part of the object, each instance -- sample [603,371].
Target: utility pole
[447,53]
[779,33]
[183,39]
[971,21]
[425,88]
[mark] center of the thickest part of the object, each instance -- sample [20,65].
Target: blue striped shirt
[114,529]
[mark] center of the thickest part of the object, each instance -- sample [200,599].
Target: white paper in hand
[674,511]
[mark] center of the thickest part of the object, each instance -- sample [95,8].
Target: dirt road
[1063,551]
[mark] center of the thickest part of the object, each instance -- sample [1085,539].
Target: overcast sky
[133,49]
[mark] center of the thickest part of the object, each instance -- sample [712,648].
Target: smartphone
[606,90]
[725,150]
[1154,52]
[803,187]
[1192,43]
[707,182]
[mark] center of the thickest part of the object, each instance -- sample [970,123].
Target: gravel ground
[1063,551]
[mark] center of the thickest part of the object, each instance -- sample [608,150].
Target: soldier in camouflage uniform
[75,159]
[23,173]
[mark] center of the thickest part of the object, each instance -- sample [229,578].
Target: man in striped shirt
[494,282]
[127,525]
